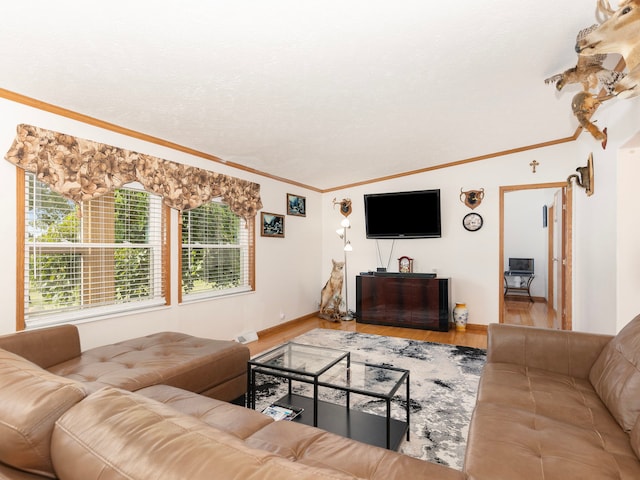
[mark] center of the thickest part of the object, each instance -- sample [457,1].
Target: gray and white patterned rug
[444,382]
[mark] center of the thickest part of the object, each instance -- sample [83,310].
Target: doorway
[535,222]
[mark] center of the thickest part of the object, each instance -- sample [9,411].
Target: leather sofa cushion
[615,375]
[234,419]
[31,400]
[114,434]
[531,423]
[9,473]
[565,352]
[511,443]
[314,447]
[298,442]
[634,436]
[170,358]
[556,396]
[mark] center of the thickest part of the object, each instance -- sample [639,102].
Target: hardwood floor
[517,312]
[524,312]
[268,339]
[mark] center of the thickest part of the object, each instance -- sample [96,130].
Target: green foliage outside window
[56,267]
[53,277]
[211,257]
[132,265]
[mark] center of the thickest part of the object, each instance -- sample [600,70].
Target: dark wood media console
[403,300]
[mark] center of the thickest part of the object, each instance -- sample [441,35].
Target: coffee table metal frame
[308,364]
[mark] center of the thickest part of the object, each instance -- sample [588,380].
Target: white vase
[460,316]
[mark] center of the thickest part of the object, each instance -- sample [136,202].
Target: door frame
[567,249]
[550,242]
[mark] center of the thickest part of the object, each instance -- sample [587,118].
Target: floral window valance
[82,169]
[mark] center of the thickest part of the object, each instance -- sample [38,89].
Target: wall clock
[472,222]
[405,264]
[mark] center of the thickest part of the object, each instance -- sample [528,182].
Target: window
[217,252]
[109,259]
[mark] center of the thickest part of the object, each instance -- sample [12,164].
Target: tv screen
[403,214]
[522,265]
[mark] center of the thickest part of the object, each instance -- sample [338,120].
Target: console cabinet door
[403,301]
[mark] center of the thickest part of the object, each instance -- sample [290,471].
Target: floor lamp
[345,210]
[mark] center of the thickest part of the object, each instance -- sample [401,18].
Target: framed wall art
[272,225]
[296,205]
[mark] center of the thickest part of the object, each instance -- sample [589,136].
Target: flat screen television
[521,265]
[403,214]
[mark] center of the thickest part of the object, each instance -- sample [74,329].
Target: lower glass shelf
[364,427]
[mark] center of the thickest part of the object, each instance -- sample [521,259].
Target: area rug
[444,382]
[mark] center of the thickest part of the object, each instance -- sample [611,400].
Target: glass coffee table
[330,368]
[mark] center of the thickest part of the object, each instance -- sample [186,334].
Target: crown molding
[48,107]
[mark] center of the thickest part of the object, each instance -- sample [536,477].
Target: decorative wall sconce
[584,177]
[472,198]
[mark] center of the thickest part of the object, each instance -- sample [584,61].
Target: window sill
[87,316]
[208,296]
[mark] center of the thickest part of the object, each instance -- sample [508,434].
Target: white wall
[291,271]
[287,270]
[599,220]
[628,234]
[471,260]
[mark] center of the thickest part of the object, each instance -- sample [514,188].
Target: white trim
[91,314]
[216,294]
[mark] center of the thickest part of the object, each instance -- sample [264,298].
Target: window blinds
[107,257]
[215,251]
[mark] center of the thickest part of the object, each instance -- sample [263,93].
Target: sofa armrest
[45,347]
[559,351]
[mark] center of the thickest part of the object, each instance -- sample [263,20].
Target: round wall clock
[405,264]
[472,222]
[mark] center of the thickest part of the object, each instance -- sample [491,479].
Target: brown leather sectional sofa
[551,405]
[556,405]
[63,416]
[215,368]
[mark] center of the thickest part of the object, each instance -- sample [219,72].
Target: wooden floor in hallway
[534,314]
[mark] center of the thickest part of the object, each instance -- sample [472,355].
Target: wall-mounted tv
[403,214]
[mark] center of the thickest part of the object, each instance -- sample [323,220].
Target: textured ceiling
[324,93]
